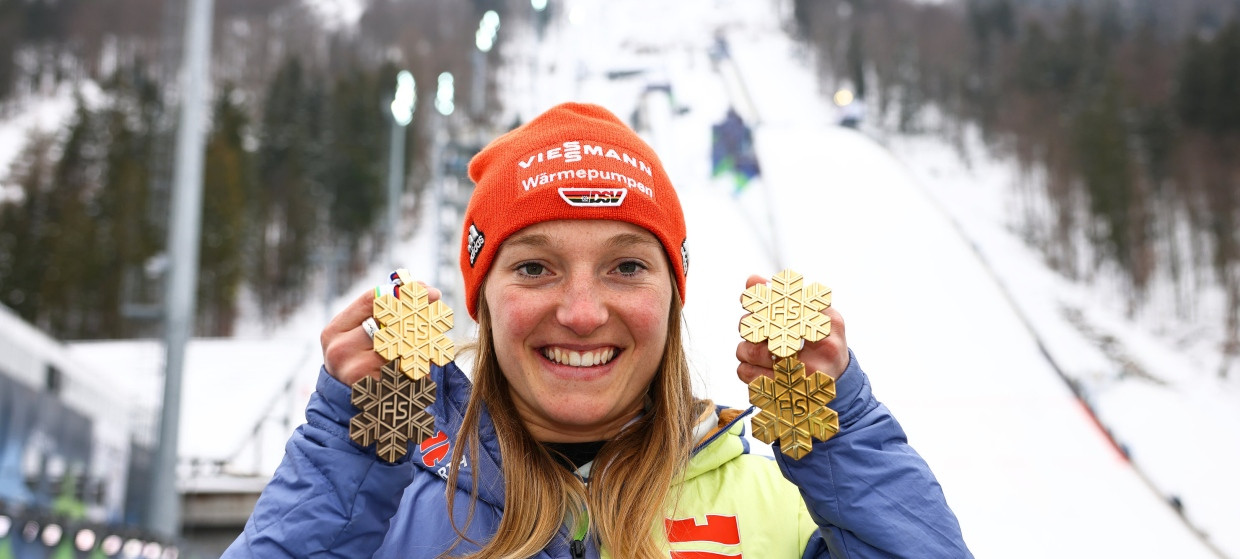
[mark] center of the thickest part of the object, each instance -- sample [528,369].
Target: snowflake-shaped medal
[785,313]
[794,408]
[412,329]
[393,411]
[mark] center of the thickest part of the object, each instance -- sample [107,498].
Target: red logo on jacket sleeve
[719,529]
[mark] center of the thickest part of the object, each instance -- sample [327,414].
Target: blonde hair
[634,475]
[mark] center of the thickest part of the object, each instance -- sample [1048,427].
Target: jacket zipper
[578,546]
[723,430]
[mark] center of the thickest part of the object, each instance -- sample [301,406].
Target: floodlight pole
[404,100]
[184,230]
[396,176]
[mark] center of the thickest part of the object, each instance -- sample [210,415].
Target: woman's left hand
[828,355]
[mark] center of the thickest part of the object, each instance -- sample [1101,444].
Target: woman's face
[579,313]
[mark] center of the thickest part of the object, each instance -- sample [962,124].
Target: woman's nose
[582,309]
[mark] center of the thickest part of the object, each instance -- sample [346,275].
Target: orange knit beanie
[575,161]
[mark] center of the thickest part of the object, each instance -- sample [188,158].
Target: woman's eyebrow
[625,240]
[622,240]
[530,240]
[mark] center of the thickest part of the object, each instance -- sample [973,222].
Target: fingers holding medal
[793,401]
[408,329]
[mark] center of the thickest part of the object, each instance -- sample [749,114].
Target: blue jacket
[863,493]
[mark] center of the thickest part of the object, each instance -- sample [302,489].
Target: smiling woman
[578,434]
[578,313]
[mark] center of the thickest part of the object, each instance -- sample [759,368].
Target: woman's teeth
[579,358]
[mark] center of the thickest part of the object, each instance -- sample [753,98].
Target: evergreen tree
[126,237]
[801,15]
[1034,70]
[1157,135]
[226,183]
[1209,86]
[992,22]
[1195,93]
[23,262]
[355,175]
[10,35]
[288,197]
[1104,163]
[69,286]
[82,220]
[1069,57]
[1209,82]
[1229,79]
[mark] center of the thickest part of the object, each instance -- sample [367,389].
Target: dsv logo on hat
[593,197]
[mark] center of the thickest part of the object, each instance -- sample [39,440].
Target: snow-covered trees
[296,160]
[1124,115]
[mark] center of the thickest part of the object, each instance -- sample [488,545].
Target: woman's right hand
[348,352]
[828,355]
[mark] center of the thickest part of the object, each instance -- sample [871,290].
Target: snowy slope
[231,390]
[1159,398]
[1021,460]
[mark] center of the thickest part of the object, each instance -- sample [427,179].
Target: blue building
[70,448]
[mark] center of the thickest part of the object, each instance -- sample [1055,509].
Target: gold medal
[393,411]
[410,332]
[794,408]
[794,405]
[413,330]
[785,312]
